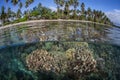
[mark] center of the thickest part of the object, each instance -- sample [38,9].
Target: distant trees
[62,2]
[18,14]
[83,12]
[28,2]
[66,9]
[99,16]
[57,2]
[40,12]
[75,4]
[8,13]
[15,2]
[20,5]
[89,14]
[82,8]
[3,14]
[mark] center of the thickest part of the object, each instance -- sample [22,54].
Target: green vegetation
[66,9]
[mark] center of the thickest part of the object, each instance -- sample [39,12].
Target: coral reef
[41,60]
[77,61]
[70,54]
[82,63]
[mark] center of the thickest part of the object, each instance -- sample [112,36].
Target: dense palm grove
[66,9]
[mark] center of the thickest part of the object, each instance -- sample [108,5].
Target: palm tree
[18,14]
[61,3]
[106,20]
[68,3]
[39,7]
[89,11]
[98,16]
[39,10]
[30,1]
[8,13]
[20,5]
[3,14]
[66,9]
[13,15]
[94,15]
[27,14]
[57,2]
[26,4]
[75,4]
[82,8]
[71,2]
[83,12]
[15,2]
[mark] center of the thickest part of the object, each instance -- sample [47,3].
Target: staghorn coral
[41,60]
[82,63]
[76,62]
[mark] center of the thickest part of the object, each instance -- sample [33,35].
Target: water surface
[59,31]
[58,42]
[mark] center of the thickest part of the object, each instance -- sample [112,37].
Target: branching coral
[82,63]
[41,60]
[77,61]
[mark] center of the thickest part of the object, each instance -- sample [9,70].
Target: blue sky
[110,7]
[104,5]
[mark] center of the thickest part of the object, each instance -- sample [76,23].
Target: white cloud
[114,16]
[53,8]
[116,10]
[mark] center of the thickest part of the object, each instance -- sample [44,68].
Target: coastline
[36,21]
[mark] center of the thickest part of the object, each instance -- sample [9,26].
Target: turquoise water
[57,44]
[59,31]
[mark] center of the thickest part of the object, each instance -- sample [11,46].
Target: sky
[110,7]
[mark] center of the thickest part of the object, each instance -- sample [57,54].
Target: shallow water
[59,31]
[99,43]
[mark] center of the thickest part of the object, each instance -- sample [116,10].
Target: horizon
[110,8]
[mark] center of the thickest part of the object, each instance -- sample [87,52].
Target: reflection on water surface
[59,31]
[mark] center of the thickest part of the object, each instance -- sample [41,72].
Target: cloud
[114,16]
[53,8]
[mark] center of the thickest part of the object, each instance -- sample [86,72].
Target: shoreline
[36,21]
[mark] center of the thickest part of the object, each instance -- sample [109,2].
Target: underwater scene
[60,51]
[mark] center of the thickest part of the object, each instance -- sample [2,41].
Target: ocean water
[60,51]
